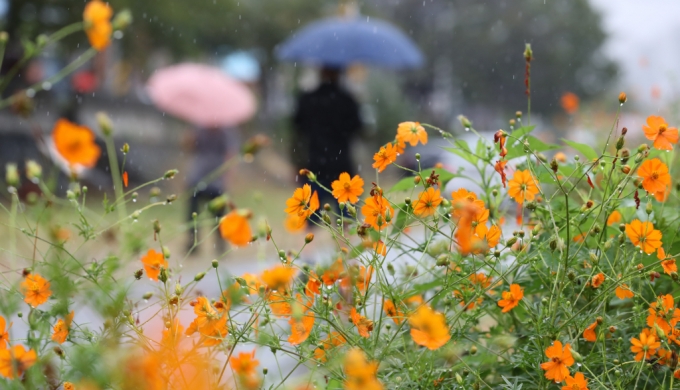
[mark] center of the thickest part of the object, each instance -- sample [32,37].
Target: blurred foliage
[478,42]
[180,27]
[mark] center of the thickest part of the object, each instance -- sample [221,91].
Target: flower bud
[528,53]
[660,333]
[147,295]
[166,252]
[464,121]
[459,379]
[473,350]
[156,226]
[163,275]
[622,97]
[619,143]
[352,211]
[104,123]
[33,171]
[511,241]
[310,175]
[12,175]
[417,156]
[138,274]
[612,329]
[625,169]
[326,218]
[60,352]
[327,207]
[416,180]
[577,356]
[170,174]
[126,148]
[199,276]
[309,238]
[390,269]
[178,289]
[648,208]
[171,198]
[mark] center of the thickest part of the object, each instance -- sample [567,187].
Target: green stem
[115,175]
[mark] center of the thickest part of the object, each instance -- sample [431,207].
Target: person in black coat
[325,122]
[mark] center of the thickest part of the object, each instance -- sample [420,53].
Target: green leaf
[584,149]
[407,183]
[463,150]
[535,144]
[522,131]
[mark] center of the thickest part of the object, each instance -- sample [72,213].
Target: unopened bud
[417,156]
[625,169]
[147,295]
[122,20]
[104,123]
[166,252]
[473,350]
[648,208]
[620,142]
[352,211]
[390,269]
[518,114]
[327,207]
[199,276]
[126,148]
[577,356]
[528,53]
[12,175]
[459,379]
[178,289]
[139,273]
[341,205]
[464,121]
[156,226]
[163,275]
[416,180]
[170,174]
[171,198]
[60,352]
[622,97]
[309,238]
[511,241]
[215,263]
[612,329]
[33,171]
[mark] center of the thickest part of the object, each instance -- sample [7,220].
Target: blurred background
[585,51]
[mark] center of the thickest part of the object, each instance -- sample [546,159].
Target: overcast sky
[644,39]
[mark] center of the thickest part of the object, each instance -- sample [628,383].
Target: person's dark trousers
[197,203]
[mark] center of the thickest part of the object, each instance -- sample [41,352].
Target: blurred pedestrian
[325,122]
[212,147]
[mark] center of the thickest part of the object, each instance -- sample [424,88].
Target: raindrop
[118,35]
[30,92]
[467,129]
[134,200]
[621,105]
[47,85]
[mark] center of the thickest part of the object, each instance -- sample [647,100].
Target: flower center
[655,175]
[662,128]
[556,360]
[346,186]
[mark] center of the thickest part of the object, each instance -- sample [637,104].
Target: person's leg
[212,193]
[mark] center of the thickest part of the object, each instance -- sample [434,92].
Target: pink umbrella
[201,94]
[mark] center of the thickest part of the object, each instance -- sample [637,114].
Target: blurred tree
[481,43]
[183,28]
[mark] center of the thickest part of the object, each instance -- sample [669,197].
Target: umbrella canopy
[340,42]
[201,94]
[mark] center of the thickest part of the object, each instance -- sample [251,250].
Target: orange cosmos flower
[597,280]
[644,236]
[500,168]
[97,21]
[511,298]
[493,236]
[380,248]
[569,102]
[69,386]
[655,176]
[664,313]
[577,382]
[658,131]
[75,143]
[669,266]
[623,292]
[278,278]
[153,262]
[244,364]
[428,328]
[375,211]
[346,189]
[589,334]
[208,322]
[16,360]
[662,196]
[334,272]
[279,303]
[36,290]
[301,328]
[313,285]
[172,335]
[360,373]
[463,197]
[363,324]
[61,329]
[560,358]
[385,156]
[4,334]
[614,217]
[411,132]
[360,276]
[235,229]
[125,179]
[303,203]
[334,339]
[427,203]
[523,186]
[645,346]
[393,312]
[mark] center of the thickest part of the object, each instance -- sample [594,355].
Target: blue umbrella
[339,42]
